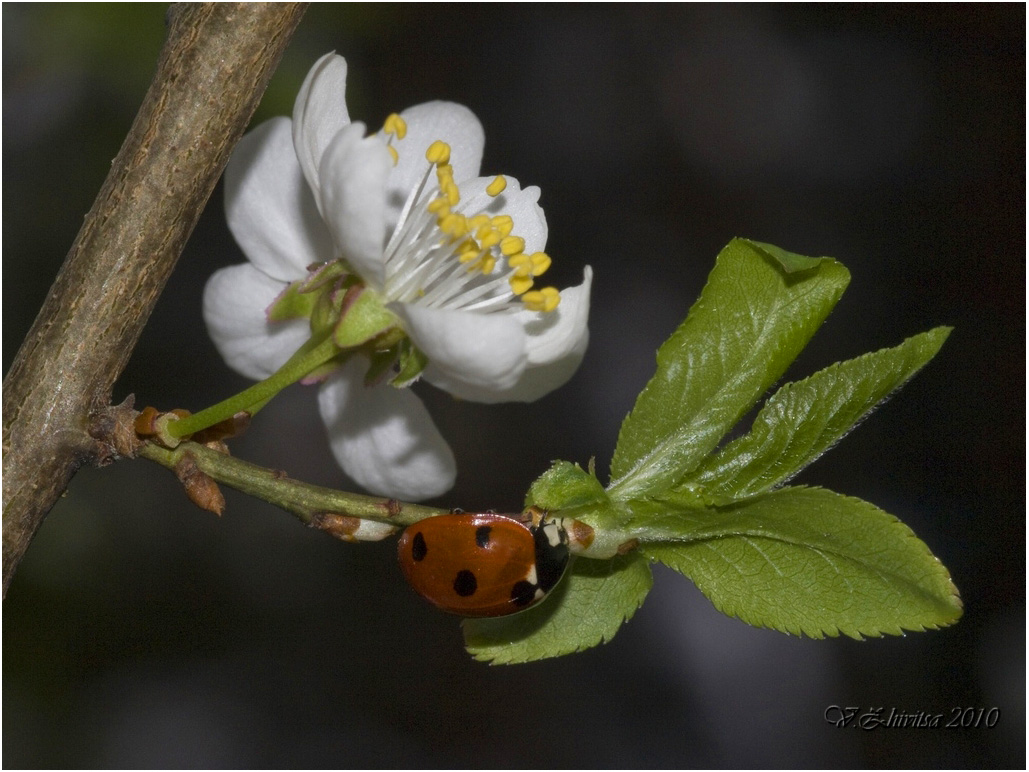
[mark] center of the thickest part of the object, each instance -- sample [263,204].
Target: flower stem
[307,502]
[308,357]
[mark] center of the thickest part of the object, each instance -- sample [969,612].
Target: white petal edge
[235,300]
[454,124]
[269,207]
[320,111]
[563,331]
[556,343]
[485,351]
[354,171]
[383,437]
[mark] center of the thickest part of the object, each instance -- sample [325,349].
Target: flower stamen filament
[441,255]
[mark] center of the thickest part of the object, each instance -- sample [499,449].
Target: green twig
[309,357]
[308,502]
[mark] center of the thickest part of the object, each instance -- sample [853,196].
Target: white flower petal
[269,207]
[354,171]
[384,437]
[454,124]
[235,299]
[556,342]
[465,348]
[555,335]
[522,205]
[319,112]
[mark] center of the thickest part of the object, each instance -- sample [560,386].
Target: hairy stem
[212,72]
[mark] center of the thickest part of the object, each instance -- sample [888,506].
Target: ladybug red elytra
[483,564]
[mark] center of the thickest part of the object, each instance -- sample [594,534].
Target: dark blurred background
[141,632]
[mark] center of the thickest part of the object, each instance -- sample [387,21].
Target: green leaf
[586,609]
[807,560]
[564,486]
[804,419]
[759,308]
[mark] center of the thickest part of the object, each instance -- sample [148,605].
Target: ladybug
[484,565]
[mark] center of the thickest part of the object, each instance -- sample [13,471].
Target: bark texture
[214,67]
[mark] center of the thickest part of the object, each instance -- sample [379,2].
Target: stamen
[452,192]
[439,207]
[443,256]
[522,265]
[496,187]
[395,125]
[503,223]
[540,263]
[511,245]
[520,284]
[455,225]
[546,299]
[438,153]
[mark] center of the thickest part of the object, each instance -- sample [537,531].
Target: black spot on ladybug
[482,535]
[522,593]
[465,584]
[418,547]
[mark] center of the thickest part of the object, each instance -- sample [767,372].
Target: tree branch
[214,67]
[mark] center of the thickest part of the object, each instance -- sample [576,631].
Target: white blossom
[453,256]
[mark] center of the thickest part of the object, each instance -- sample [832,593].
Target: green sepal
[292,303]
[804,419]
[411,362]
[810,561]
[586,609]
[362,318]
[325,313]
[758,310]
[379,364]
[323,275]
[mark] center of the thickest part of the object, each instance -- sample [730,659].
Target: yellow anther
[395,125]
[488,239]
[445,177]
[438,153]
[546,299]
[469,255]
[454,224]
[439,207]
[479,221]
[488,264]
[520,284]
[522,264]
[496,187]
[511,245]
[393,153]
[540,263]
[452,192]
[503,223]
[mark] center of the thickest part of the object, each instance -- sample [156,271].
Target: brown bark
[214,67]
